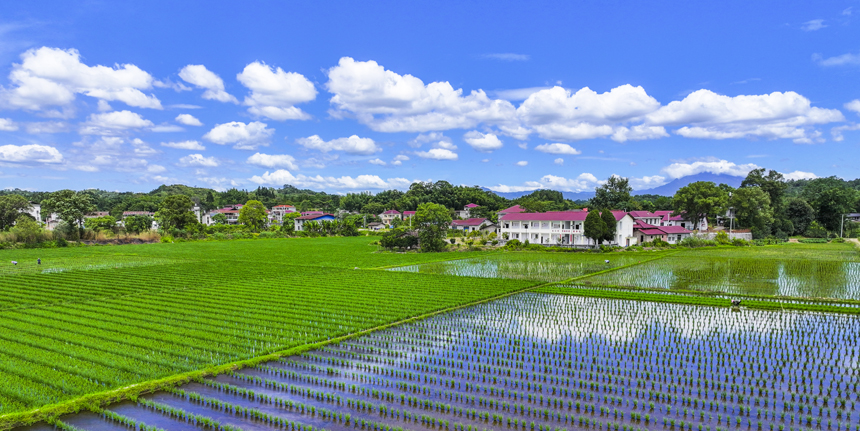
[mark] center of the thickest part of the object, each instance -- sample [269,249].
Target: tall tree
[175,212]
[137,223]
[772,183]
[612,194]
[11,206]
[831,198]
[610,225]
[71,206]
[800,213]
[753,210]
[698,200]
[594,228]
[253,214]
[432,222]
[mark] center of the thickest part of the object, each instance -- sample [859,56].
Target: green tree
[71,206]
[773,184]
[27,229]
[699,200]
[374,208]
[831,198]
[137,223]
[175,213]
[612,194]
[11,206]
[610,225]
[594,227]
[753,210]
[101,223]
[221,218]
[432,222]
[534,206]
[800,213]
[253,214]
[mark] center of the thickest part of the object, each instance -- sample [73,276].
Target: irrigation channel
[539,362]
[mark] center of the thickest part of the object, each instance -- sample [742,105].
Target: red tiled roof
[674,229]
[469,222]
[642,225]
[313,216]
[651,231]
[392,212]
[547,216]
[283,206]
[513,209]
[312,213]
[408,213]
[661,229]
[472,206]
[642,214]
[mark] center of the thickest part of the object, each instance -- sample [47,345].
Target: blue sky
[346,96]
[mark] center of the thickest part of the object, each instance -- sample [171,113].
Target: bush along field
[541,362]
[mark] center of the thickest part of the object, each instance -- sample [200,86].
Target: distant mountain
[670,188]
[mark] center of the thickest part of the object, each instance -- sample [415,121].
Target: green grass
[103,323]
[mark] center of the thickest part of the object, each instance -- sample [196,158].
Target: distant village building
[389,216]
[645,232]
[277,213]
[300,221]
[375,226]
[469,225]
[561,228]
[466,211]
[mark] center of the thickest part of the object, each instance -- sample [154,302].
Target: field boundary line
[383,268]
[106,398]
[572,279]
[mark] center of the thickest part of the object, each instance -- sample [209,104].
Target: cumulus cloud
[583,182]
[390,102]
[848,59]
[424,138]
[184,145]
[711,165]
[351,145]
[40,127]
[399,159]
[275,92]
[853,105]
[7,125]
[799,175]
[638,133]
[517,94]
[483,142]
[837,131]
[437,154]
[273,161]
[188,120]
[242,136]
[142,149]
[199,160]
[647,182]
[558,113]
[559,161]
[30,154]
[201,77]
[110,123]
[706,114]
[53,76]
[558,149]
[522,163]
[361,182]
[378,162]
[812,25]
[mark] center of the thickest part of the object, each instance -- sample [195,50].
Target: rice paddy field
[321,334]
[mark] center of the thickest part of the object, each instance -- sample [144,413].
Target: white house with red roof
[511,210]
[407,214]
[389,216]
[561,227]
[466,211]
[470,224]
[300,221]
[645,232]
[277,213]
[230,211]
[646,217]
[667,219]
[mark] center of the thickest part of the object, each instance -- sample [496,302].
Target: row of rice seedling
[201,316]
[536,362]
[751,276]
[546,267]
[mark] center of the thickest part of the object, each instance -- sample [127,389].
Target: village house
[511,210]
[231,212]
[141,213]
[466,211]
[469,225]
[375,226]
[645,232]
[389,216]
[667,219]
[561,228]
[300,221]
[277,213]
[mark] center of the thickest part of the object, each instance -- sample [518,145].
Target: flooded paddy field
[540,362]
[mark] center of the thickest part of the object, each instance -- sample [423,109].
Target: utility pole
[841,225]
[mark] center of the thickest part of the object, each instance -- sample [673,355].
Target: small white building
[667,219]
[561,227]
[277,213]
[466,211]
[389,216]
[300,221]
[469,225]
[645,232]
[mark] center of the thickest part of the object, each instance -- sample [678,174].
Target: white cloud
[482,142]
[47,127]
[53,76]
[274,93]
[389,102]
[166,128]
[839,60]
[812,25]
[558,113]
[638,133]
[7,125]
[242,136]
[199,160]
[706,114]
[799,175]
[184,145]
[351,145]
[837,131]
[199,76]
[437,154]
[507,56]
[110,123]
[155,169]
[559,161]
[399,159]
[30,154]
[142,149]
[361,182]
[432,137]
[104,106]
[378,161]
[853,105]
[584,182]
[188,120]
[712,165]
[558,149]
[517,94]
[647,182]
[523,146]
[522,163]
[273,161]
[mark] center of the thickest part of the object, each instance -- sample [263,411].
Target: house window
[577,227]
[544,225]
[556,225]
[516,224]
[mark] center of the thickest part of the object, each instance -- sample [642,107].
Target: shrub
[722,238]
[695,242]
[815,230]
